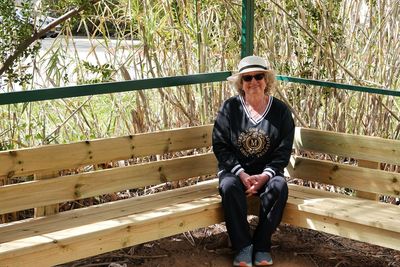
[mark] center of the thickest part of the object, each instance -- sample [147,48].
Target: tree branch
[26,43]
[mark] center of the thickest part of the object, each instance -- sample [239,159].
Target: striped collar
[255,122]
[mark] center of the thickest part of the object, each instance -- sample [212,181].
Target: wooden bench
[358,215]
[155,160]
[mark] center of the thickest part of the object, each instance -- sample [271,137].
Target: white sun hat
[249,64]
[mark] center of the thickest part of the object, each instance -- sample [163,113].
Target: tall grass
[349,41]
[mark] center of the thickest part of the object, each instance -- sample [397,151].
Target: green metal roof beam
[125,86]
[357,88]
[247,28]
[112,87]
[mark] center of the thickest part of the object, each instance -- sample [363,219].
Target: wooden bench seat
[359,214]
[356,218]
[97,229]
[102,212]
[160,159]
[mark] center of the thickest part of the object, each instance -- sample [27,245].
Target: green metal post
[247,28]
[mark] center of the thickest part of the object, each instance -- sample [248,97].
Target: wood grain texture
[86,232]
[92,239]
[73,187]
[371,165]
[348,145]
[106,211]
[46,210]
[309,208]
[58,157]
[355,218]
[364,179]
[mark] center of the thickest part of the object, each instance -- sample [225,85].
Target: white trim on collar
[255,122]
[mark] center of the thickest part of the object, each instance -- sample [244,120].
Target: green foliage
[97,73]
[5,145]
[320,18]
[134,39]
[59,7]
[15,29]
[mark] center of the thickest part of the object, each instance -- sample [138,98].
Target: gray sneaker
[263,259]
[244,257]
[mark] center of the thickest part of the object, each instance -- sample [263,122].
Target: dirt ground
[292,247]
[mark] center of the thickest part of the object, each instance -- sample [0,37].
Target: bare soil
[293,247]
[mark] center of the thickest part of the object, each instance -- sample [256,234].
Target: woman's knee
[229,184]
[279,184]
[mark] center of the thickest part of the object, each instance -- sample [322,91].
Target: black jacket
[240,143]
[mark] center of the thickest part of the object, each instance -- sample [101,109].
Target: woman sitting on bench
[252,141]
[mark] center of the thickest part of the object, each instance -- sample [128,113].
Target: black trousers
[273,197]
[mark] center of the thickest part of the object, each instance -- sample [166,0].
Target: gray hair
[236,82]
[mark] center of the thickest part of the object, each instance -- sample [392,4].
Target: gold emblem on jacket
[254,142]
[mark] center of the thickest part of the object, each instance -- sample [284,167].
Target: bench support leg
[371,165]
[47,210]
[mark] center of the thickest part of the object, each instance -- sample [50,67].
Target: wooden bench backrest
[22,162]
[348,145]
[354,148]
[73,187]
[59,189]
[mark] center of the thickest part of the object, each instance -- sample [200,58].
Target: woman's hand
[257,182]
[244,177]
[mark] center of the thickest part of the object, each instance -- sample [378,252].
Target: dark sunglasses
[258,77]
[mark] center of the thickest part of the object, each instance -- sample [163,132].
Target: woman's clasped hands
[253,183]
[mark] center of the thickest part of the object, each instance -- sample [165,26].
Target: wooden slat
[92,239]
[303,193]
[348,145]
[310,198]
[353,230]
[362,211]
[364,179]
[73,187]
[106,211]
[94,230]
[57,157]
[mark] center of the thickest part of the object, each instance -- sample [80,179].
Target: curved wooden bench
[360,216]
[53,238]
